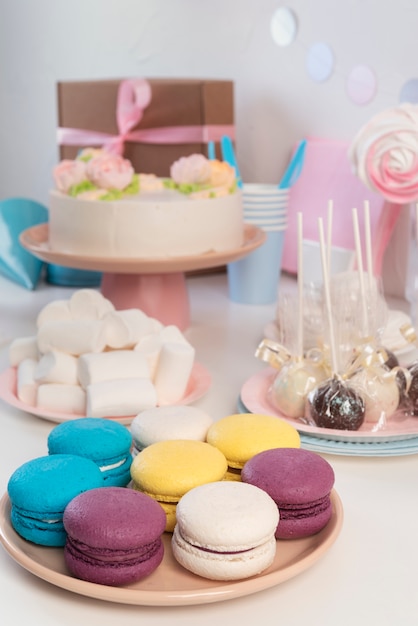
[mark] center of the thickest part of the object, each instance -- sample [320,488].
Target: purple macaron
[114,536]
[300,482]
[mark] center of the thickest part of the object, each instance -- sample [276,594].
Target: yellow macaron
[166,470]
[241,436]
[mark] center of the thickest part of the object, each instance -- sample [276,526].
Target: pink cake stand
[156,286]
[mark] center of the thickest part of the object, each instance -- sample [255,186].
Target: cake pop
[380,391]
[292,384]
[335,404]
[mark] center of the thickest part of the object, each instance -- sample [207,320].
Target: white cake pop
[292,384]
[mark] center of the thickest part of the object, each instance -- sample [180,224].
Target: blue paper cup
[255,278]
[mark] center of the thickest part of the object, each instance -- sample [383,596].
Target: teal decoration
[69,277]
[16,263]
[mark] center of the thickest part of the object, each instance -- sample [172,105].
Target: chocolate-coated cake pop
[334,404]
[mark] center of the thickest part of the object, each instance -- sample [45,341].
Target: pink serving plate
[199,383]
[170,584]
[254,395]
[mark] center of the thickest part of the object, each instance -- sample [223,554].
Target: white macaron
[169,422]
[225,530]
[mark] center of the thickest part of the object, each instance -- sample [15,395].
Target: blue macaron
[101,440]
[39,491]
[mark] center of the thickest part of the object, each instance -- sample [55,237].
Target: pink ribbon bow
[134,95]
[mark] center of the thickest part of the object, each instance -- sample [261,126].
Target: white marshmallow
[172,333]
[26,387]
[89,304]
[56,310]
[23,348]
[125,328]
[173,372]
[72,336]
[150,346]
[118,398]
[57,367]
[62,398]
[155,325]
[93,368]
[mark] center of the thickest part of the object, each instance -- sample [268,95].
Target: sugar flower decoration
[110,171]
[69,173]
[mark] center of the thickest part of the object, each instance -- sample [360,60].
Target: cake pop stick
[334,361]
[360,270]
[329,233]
[368,239]
[300,284]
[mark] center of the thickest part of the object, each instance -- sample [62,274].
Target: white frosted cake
[101,208]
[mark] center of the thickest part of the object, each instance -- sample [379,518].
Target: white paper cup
[342,260]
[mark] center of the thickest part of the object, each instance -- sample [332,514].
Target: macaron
[225,531]
[104,441]
[113,536]
[166,470]
[242,435]
[39,491]
[300,483]
[169,422]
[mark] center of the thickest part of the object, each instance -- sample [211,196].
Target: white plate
[199,383]
[254,396]
[170,584]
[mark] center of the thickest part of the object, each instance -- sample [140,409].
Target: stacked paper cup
[265,206]
[255,278]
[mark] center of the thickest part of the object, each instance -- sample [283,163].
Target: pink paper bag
[327,175]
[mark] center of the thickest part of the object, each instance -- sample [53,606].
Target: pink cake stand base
[156,286]
[162,296]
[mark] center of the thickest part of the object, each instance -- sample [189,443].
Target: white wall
[277,103]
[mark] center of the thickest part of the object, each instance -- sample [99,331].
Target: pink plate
[170,584]
[254,395]
[199,383]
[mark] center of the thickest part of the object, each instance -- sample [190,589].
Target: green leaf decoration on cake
[112,194]
[133,186]
[85,185]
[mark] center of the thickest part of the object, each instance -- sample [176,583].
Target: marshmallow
[26,387]
[172,333]
[89,304]
[93,368]
[57,367]
[155,325]
[125,328]
[173,372]
[72,336]
[150,346]
[62,398]
[56,310]
[119,398]
[23,348]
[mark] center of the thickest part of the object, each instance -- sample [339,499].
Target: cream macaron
[169,422]
[240,436]
[225,531]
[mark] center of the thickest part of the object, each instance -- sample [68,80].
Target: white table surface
[369,576]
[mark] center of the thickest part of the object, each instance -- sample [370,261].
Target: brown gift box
[91,105]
